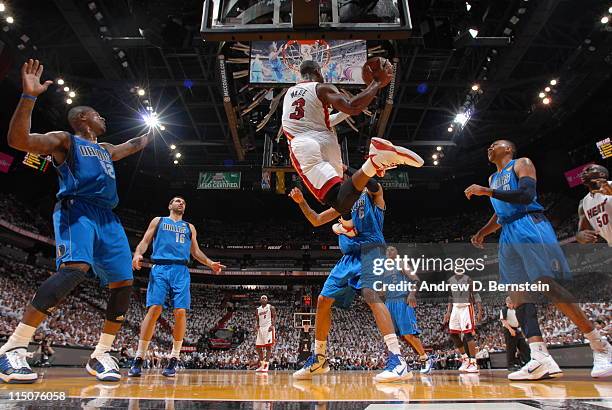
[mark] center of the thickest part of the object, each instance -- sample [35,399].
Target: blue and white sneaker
[426,367]
[170,370]
[105,367]
[14,367]
[396,370]
[316,364]
[136,369]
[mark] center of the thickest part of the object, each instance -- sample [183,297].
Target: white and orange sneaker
[472,367]
[465,362]
[385,155]
[342,229]
[262,366]
[266,367]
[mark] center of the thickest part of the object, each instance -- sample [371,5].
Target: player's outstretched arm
[329,94]
[316,219]
[19,136]
[586,233]
[197,253]
[144,243]
[129,147]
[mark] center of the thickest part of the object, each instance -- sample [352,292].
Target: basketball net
[296,51]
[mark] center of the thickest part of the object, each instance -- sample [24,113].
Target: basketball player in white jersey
[266,336]
[460,318]
[595,209]
[314,148]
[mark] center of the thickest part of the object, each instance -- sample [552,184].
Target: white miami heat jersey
[265,316]
[304,112]
[598,210]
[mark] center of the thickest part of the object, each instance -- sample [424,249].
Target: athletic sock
[143,346]
[597,343]
[20,338]
[176,348]
[392,343]
[368,168]
[423,358]
[104,344]
[538,350]
[320,347]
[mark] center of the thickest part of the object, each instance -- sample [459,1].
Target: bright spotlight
[473,32]
[547,89]
[60,81]
[141,92]
[610,10]
[435,156]
[151,120]
[475,87]
[546,101]
[604,20]
[542,95]
[172,146]
[449,129]
[66,89]
[468,6]
[553,82]
[435,162]
[69,101]
[10,20]
[461,118]
[2,7]
[178,155]
[161,127]
[71,94]
[438,148]
[175,161]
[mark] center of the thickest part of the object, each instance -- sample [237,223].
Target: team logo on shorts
[61,250]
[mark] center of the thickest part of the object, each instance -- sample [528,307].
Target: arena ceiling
[106,49]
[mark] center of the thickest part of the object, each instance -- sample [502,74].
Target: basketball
[378,68]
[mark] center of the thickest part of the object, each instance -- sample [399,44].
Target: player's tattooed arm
[329,94]
[129,147]
[316,219]
[144,243]
[586,233]
[197,253]
[54,143]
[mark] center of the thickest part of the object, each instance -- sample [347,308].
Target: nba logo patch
[61,250]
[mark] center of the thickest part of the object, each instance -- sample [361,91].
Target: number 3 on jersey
[298,114]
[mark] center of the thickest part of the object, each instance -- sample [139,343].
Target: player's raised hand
[216,266]
[137,262]
[477,190]
[297,195]
[30,78]
[587,236]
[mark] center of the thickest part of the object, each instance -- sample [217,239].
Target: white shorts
[317,159]
[462,319]
[265,337]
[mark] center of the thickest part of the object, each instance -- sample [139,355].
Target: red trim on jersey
[318,193]
[326,113]
[472,321]
[273,339]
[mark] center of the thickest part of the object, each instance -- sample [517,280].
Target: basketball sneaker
[396,369]
[316,364]
[385,155]
[543,368]
[104,367]
[472,367]
[602,363]
[340,229]
[136,369]
[426,366]
[14,367]
[465,362]
[170,370]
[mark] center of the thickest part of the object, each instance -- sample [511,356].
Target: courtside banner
[219,180]
[5,162]
[395,180]
[573,175]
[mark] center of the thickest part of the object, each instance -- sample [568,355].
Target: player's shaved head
[600,169]
[508,143]
[309,67]
[75,113]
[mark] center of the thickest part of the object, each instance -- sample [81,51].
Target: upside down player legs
[525,232]
[83,217]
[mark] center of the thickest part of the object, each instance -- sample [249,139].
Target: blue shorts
[169,286]
[529,250]
[403,316]
[93,235]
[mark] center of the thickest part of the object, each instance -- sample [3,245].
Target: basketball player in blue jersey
[89,237]
[348,276]
[174,240]
[275,62]
[401,305]
[528,250]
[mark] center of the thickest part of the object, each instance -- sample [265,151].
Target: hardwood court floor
[210,386]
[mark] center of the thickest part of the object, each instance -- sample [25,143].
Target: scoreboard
[39,162]
[605,148]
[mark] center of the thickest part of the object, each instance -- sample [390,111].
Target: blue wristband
[28,97]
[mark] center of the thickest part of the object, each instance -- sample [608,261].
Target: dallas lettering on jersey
[88,151]
[503,182]
[597,209]
[174,228]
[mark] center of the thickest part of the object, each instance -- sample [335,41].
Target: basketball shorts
[265,337]
[90,234]
[169,287]
[403,316]
[462,319]
[529,250]
[316,158]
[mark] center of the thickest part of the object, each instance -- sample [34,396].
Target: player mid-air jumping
[528,251]
[174,240]
[89,237]
[313,145]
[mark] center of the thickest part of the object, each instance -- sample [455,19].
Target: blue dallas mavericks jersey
[172,241]
[507,180]
[88,174]
[368,220]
